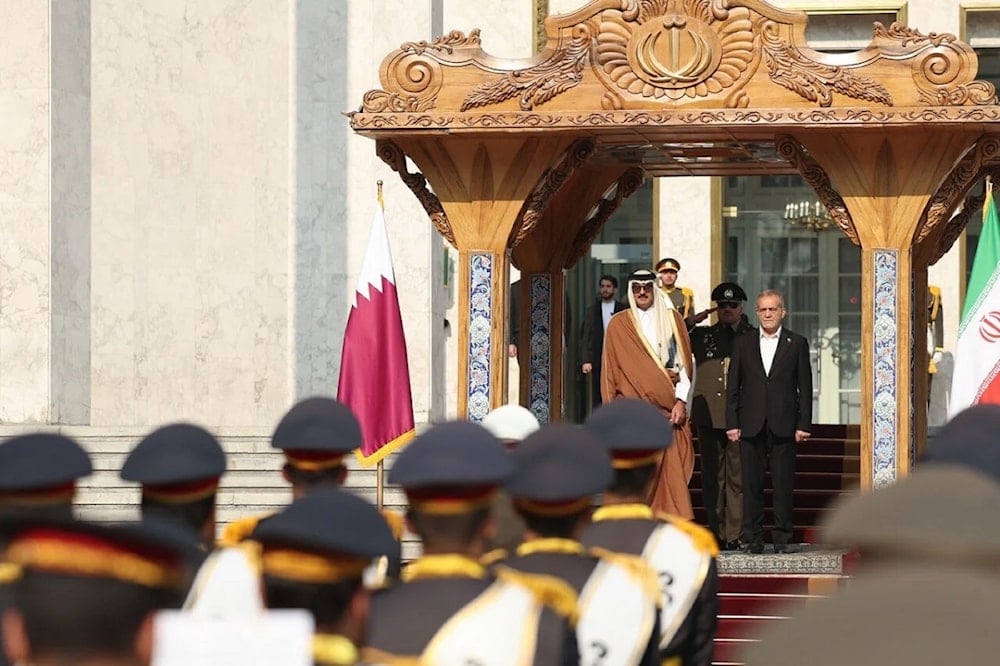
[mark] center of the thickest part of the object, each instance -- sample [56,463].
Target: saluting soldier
[682,554]
[721,479]
[558,470]
[449,609]
[179,467]
[314,435]
[314,555]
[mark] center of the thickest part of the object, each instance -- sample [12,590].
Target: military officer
[722,486]
[179,467]
[314,555]
[314,435]
[558,470]
[449,608]
[682,553]
[681,297]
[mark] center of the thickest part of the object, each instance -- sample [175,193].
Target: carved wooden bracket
[578,153]
[954,226]
[818,179]
[968,171]
[627,184]
[392,155]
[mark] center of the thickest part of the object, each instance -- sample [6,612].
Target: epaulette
[9,572]
[687,291]
[396,522]
[550,591]
[240,529]
[493,557]
[702,538]
[637,567]
[935,293]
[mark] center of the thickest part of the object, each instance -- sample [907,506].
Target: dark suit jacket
[782,399]
[592,339]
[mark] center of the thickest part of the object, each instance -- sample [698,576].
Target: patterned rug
[809,559]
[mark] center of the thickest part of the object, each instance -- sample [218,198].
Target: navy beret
[41,460]
[560,462]
[178,453]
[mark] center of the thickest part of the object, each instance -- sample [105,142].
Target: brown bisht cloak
[631,369]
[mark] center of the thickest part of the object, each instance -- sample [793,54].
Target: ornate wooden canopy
[525,160]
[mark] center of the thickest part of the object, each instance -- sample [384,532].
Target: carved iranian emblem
[815,81]
[675,49]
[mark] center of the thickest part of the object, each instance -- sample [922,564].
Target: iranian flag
[374,371]
[977,357]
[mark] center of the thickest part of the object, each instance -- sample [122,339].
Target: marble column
[45,213]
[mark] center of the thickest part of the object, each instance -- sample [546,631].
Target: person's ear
[15,638]
[144,640]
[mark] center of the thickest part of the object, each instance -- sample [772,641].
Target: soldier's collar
[443,566]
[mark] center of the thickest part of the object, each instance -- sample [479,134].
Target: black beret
[560,462]
[318,424]
[455,453]
[729,291]
[631,429]
[178,453]
[330,521]
[41,460]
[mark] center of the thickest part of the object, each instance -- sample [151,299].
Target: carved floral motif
[818,179]
[445,43]
[536,85]
[391,154]
[627,184]
[579,152]
[812,80]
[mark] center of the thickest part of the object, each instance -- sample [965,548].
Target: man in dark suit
[592,340]
[769,411]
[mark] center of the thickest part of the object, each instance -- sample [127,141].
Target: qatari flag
[977,356]
[374,372]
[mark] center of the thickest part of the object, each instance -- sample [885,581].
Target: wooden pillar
[481,186]
[885,185]
[555,242]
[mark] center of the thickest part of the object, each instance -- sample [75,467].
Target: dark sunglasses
[639,287]
[727,304]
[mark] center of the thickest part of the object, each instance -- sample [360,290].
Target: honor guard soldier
[88,592]
[510,424]
[314,555]
[681,297]
[558,471]
[449,609]
[314,435]
[721,479]
[38,476]
[682,553]
[179,467]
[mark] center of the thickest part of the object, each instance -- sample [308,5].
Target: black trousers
[757,454]
[722,483]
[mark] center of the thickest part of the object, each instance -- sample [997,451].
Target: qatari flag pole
[977,356]
[374,371]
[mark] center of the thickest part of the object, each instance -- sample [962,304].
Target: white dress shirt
[768,346]
[607,309]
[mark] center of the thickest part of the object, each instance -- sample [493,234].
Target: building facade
[185,210]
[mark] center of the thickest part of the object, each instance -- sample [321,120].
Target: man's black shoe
[755,548]
[780,548]
[731,545]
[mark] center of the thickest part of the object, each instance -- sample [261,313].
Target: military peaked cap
[316,433]
[729,291]
[179,461]
[633,431]
[41,465]
[668,264]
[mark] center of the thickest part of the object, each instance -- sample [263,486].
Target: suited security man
[769,411]
[595,321]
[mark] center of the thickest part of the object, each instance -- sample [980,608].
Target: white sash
[497,628]
[616,616]
[681,568]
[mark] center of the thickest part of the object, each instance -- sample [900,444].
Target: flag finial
[380,200]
